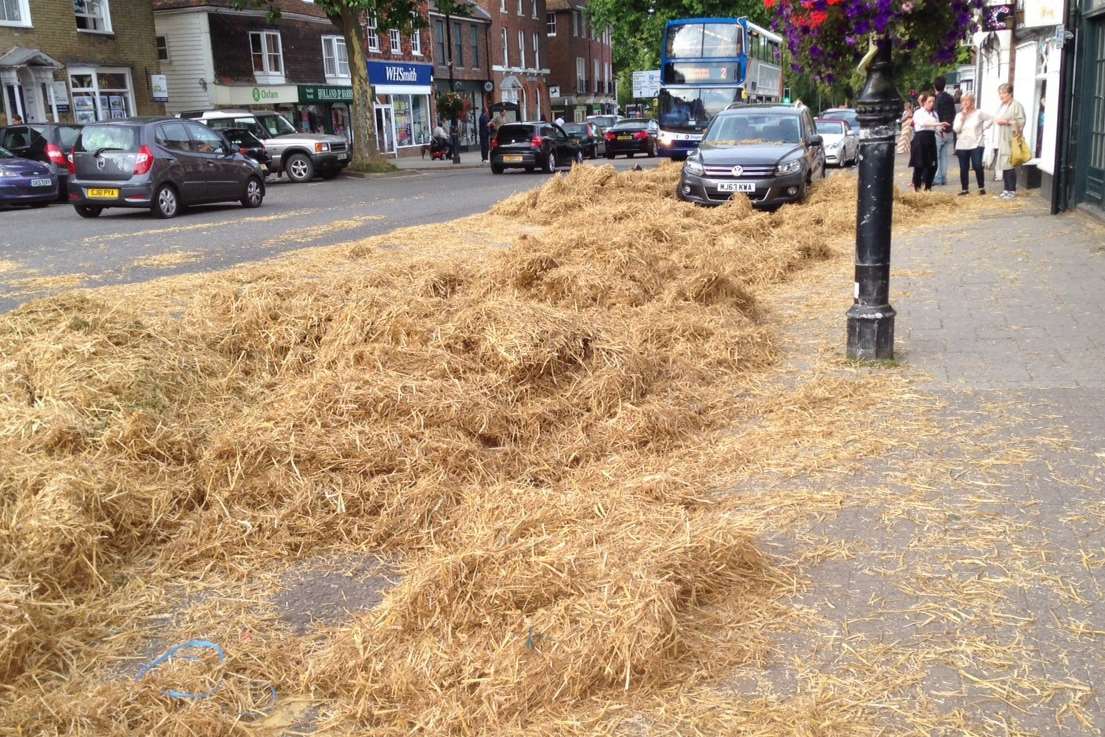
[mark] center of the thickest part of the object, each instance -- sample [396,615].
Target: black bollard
[871,318]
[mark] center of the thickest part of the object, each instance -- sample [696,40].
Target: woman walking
[905,136]
[922,157]
[969,126]
[1010,119]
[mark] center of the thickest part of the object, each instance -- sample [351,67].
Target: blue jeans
[945,144]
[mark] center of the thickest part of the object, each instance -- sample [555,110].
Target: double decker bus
[707,64]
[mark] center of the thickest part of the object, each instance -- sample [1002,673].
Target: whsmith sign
[309,94]
[400,73]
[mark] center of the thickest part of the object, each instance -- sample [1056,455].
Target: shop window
[334,57]
[92,15]
[474,33]
[373,39]
[268,56]
[162,48]
[101,94]
[15,13]
[550,24]
[395,40]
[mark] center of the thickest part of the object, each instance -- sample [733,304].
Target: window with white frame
[101,93]
[595,69]
[522,49]
[92,15]
[15,13]
[416,42]
[550,24]
[575,22]
[395,40]
[506,48]
[373,38]
[581,74]
[335,60]
[536,51]
[502,6]
[533,12]
[520,10]
[268,55]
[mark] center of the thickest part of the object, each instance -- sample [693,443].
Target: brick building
[471,72]
[84,60]
[581,62]
[217,56]
[519,57]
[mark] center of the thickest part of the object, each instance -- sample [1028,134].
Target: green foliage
[450,105]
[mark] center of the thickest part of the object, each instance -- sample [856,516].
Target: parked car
[49,143]
[772,153]
[841,146]
[25,181]
[302,156]
[847,114]
[163,164]
[249,145]
[588,136]
[532,146]
[631,137]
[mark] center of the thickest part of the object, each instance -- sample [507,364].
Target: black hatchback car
[163,164]
[50,143]
[532,146]
[771,153]
[631,137]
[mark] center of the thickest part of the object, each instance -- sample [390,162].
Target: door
[185,167]
[219,170]
[1091,182]
[385,129]
[565,147]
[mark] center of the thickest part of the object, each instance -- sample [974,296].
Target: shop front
[325,109]
[474,96]
[402,106]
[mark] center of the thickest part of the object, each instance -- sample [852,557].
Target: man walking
[485,136]
[945,139]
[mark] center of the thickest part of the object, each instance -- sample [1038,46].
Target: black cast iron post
[871,318]
[453,143]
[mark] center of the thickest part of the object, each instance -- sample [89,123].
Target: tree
[349,17]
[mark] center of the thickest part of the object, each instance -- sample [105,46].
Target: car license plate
[512,159]
[625,138]
[41,182]
[99,193]
[343,157]
[736,187]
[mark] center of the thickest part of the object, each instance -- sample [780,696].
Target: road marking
[174,229]
[303,235]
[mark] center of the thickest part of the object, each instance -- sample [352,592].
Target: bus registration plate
[747,187]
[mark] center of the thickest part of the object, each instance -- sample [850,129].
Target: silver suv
[302,156]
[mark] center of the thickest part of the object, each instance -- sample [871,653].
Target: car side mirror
[815,139]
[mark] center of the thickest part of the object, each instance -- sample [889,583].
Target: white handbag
[989,158]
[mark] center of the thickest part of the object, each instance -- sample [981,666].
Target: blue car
[26,182]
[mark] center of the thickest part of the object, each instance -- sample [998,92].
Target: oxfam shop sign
[256,95]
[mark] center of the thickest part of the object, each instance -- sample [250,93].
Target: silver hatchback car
[161,164]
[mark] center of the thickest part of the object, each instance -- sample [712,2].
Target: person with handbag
[970,125]
[922,157]
[1012,149]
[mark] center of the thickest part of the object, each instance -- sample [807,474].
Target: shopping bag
[1019,152]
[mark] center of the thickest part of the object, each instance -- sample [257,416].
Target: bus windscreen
[705,40]
[690,110]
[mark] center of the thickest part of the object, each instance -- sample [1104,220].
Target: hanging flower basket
[827,37]
[450,105]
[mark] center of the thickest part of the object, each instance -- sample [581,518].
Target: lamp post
[871,318]
[453,143]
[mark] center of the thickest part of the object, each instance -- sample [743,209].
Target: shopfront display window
[101,94]
[412,119]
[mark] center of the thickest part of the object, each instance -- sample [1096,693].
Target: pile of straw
[484,420]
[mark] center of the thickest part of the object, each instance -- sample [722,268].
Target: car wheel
[496,169]
[166,203]
[652,150]
[299,168]
[550,163]
[255,193]
[610,156]
[88,211]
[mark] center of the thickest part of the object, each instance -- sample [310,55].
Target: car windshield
[604,120]
[276,125]
[692,109]
[848,116]
[831,127]
[108,138]
[571,128]
[749,129]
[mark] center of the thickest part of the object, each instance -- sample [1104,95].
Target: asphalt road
[45,251]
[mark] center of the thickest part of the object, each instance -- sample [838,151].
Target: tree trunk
[365,152]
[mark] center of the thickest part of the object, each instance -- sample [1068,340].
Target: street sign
[646,83]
